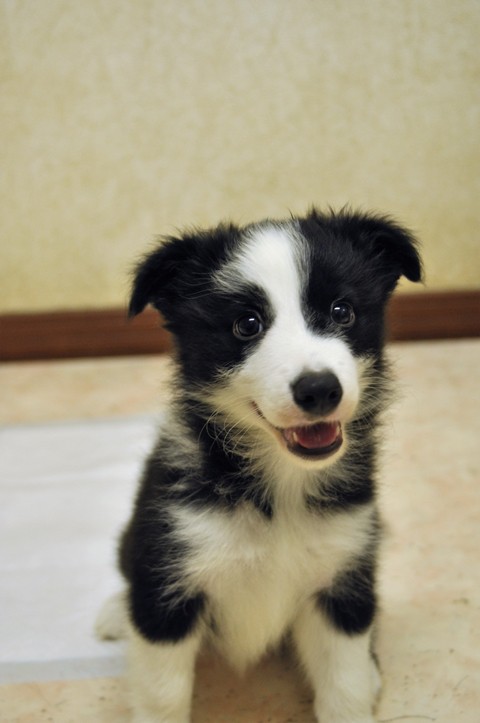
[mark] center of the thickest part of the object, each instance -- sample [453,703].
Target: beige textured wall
[121,120]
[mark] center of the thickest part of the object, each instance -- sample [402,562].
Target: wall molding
[108,332]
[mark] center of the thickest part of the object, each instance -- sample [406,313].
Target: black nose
[317,392]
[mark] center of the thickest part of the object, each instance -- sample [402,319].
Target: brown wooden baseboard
[434,315]
[75,334]
[97,333]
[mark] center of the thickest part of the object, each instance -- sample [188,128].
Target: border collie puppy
[256,517]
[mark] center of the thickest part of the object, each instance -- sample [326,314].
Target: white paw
[344,714]
[112,618]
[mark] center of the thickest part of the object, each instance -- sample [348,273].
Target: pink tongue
[316,436]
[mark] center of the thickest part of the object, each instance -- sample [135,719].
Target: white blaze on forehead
[271,257]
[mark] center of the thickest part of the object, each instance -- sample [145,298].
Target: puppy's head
[279,325]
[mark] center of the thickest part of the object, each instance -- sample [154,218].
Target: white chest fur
[257,573]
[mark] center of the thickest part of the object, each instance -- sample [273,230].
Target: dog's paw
[112,619]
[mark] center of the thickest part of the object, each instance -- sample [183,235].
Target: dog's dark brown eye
[248,327]
[342,313]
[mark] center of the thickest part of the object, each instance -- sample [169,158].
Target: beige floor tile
[82,389]
[273,693]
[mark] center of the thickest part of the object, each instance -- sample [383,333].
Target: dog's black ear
[394,248]
[391,249]
[155,276]
[179,269]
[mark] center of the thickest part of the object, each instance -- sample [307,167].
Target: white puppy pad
[66,490]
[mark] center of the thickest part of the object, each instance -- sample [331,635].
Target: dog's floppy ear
[391,249]
[394,248]
[156,275]
[175,272]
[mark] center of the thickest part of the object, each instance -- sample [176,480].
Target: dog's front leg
[161,678]
[339,666]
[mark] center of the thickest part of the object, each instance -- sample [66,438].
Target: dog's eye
[342,313]
[248,326]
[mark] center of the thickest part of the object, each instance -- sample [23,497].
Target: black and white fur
[256,518]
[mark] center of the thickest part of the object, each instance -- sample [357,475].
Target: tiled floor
[429,639]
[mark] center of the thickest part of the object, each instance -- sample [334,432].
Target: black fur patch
[159,619]
[350,604]
[356,258]
[150,556]
[206,344]
[223,479]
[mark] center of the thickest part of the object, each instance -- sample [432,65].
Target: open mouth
[315,440]
[311,441]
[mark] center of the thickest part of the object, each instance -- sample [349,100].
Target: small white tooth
[295,438]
